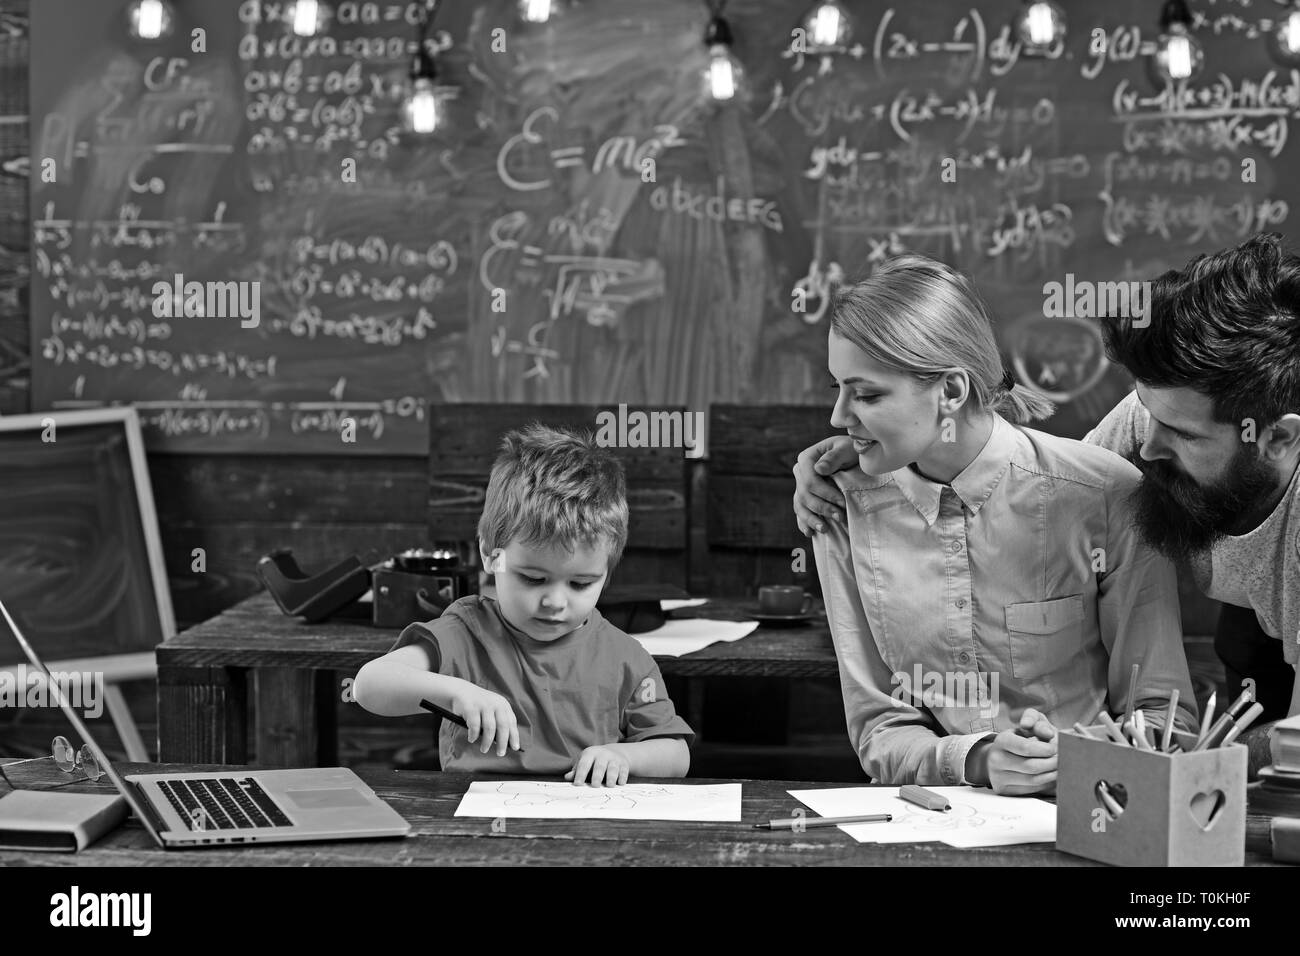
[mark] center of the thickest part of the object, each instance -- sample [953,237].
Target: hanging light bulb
[306,18]
[1178,54]
[827,26]
[724,75]
[1040,25]
[422,111]
[424,105]
[1284,41]
[150,19]
[538,11]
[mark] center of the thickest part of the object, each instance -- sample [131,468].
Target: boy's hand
[489,717]
[1023,761]
[606,765]
[816,497]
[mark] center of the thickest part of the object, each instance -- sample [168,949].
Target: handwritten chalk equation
[178,422]
[193,418]
[1121,168]
[311,281]
[375,250]
[968,47]
[1191,219]
[597,287]
[390,331]
[92,327]
[907,110]
[1222,23]
[1236,109]
[100,295]
[128,230]
[1227,134]
[62,264]
[1026,229]
[524,155]
[230,364]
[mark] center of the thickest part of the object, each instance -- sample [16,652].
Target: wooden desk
[252,670]
[429,800]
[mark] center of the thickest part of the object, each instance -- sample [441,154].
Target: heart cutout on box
[1118,797]
[1206,807]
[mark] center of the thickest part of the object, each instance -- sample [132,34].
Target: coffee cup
[783,599]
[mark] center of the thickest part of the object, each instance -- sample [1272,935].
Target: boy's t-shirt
[593,686]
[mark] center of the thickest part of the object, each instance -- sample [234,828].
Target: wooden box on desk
[1172,815]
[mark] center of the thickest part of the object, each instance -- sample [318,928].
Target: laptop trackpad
[326,799]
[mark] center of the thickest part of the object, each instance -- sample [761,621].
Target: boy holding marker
[542,682]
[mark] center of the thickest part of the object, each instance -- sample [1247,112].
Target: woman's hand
[817,497]
[1017,762]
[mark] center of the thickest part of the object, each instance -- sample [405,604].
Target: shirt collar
[975,482]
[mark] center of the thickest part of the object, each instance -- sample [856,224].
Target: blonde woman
[988,586]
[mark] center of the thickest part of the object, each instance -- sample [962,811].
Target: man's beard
[1179,517]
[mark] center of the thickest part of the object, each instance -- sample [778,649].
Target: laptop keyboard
[228,804]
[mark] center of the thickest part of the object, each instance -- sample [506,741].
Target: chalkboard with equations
[591,229]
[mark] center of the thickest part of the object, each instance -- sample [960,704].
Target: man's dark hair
[1226,325]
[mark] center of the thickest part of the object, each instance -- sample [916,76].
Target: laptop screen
[82,731]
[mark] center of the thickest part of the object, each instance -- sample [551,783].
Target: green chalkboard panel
[591,229]
[81,564]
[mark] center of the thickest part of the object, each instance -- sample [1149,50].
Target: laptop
[182,811]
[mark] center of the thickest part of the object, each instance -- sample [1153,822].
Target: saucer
[765,617]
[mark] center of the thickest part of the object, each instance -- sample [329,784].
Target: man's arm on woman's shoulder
[1124,428]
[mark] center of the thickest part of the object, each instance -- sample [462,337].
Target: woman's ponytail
[1019,404]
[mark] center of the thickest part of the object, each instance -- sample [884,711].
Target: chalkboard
[534,255]
[80,560]
[15,234]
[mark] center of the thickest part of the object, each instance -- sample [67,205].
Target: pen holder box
[1182,809]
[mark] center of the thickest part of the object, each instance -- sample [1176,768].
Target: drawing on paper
[522,793]
[638,801]
[962,816]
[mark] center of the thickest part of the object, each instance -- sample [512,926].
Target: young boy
[544,682]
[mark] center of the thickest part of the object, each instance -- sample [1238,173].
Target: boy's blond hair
[552,486]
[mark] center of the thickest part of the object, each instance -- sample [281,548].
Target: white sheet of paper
[977,818]
[633,801]
[676,638]
[673,604]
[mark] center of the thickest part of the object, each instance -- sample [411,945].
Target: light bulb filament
[149,20]
[536,11]
[1179,57]
[826,25]
[305,14]
[1290,32]
[722,79]
[1039,23]
[422,108]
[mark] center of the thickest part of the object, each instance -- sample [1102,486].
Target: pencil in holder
[1130,807]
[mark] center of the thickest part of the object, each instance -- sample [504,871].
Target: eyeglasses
[21,774]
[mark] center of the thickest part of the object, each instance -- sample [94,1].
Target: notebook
[183,811]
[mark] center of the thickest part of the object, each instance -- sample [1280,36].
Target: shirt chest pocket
[1044,635]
